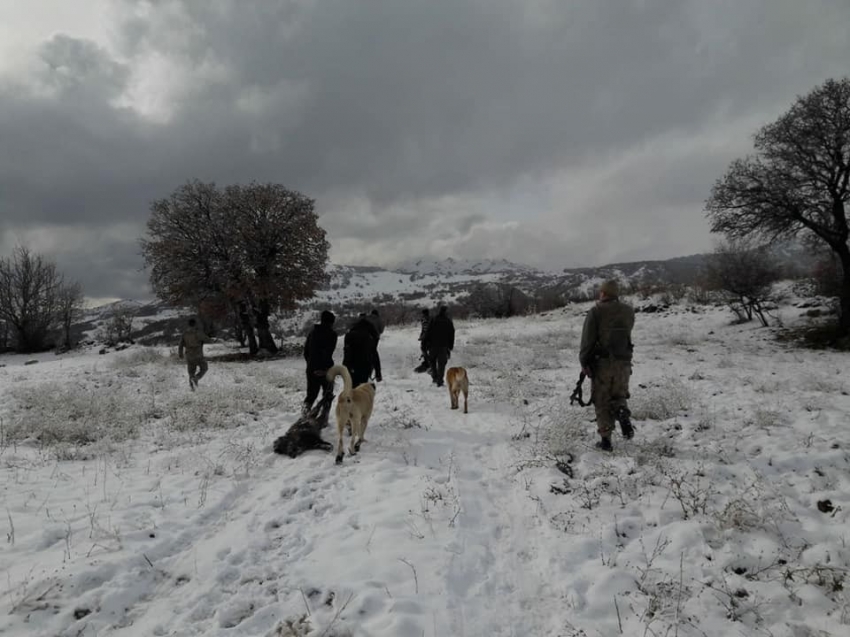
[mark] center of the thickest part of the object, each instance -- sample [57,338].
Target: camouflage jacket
[192,341]
[607,332]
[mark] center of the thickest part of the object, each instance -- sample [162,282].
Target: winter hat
[328,317]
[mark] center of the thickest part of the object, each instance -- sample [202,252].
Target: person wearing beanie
[319,355]
[606,358]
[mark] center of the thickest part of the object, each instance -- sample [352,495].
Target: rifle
[576,396]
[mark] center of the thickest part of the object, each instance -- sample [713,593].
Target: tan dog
[353,407]
[457,381]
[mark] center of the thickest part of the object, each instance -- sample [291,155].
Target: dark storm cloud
[413,124]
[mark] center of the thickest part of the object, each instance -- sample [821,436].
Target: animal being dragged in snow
[457,382]
[353,408]
[305,434]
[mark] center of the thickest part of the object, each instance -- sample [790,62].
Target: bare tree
[798,183]
[257,247]
[29,296]
[69,308]
[744,275]
[119,327]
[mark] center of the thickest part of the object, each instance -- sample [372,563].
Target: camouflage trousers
[610,385]
[193,364]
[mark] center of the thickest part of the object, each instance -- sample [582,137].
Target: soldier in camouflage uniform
[606,357]
[192,341]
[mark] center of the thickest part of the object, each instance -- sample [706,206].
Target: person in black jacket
[360,352]
[319,354]
[441,341]
[425,321]
[377,322]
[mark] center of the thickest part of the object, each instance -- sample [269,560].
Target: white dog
[353,407]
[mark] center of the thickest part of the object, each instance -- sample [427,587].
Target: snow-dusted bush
[55,413]
[682,338]
[662,401]
[223,408]
[101,408]
[140,356]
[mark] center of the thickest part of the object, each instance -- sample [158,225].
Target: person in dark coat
[319,354]
[441,341]
[378,323]
[360,352]
[425,321]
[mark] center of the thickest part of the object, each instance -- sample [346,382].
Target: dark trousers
[314,385]
[194,365]
[359,375]
[377,362]
[438,356]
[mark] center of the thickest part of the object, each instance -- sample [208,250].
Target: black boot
[624,418]
[605,444]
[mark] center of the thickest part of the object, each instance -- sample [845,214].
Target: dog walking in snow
[353,407]
[458,382]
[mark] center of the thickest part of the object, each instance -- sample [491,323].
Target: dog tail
[340,370]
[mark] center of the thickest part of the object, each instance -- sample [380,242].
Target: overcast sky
[555,133]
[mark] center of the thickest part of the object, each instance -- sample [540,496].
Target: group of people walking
[605,355]
[360,349]
[436,342]
[359,352]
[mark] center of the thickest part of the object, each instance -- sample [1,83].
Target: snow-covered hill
[461,267]
[425,282]
[447,280]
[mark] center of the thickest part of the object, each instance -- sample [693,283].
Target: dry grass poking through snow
[142,392]
[663,400]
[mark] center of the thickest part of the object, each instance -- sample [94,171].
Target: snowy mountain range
[450,279]
[427,281]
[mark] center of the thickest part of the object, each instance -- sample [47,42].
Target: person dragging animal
[192,342]
[440,340]
[360,351]
[606,358]
[319,355]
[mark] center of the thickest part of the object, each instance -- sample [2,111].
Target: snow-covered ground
[176,518]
